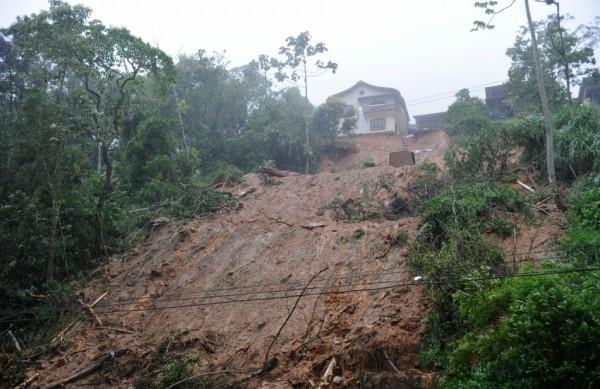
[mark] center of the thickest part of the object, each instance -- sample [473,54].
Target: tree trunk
[545,109]
[54,188]
[307,152]
[99,245]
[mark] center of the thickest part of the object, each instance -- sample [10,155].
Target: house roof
[394,92]
[431,121]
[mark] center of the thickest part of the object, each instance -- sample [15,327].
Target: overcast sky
[420,47]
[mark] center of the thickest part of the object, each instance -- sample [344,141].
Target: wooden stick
[526,186]
[117,329]
[92,312]
[92,305]
[29,380]
[87,370]
[266,361]
[277,220]
[274,172]
[391,363]
[64,331]
[15,341]
[328,373]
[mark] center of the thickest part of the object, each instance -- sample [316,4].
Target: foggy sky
[420,47]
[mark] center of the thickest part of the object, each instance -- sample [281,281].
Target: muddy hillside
[219,289]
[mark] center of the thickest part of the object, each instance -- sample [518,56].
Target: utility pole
[545,109]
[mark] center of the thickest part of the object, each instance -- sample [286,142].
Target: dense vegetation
[101,132]
[485,330]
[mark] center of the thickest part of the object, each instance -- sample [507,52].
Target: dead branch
[526,186]
[274,172]
[246,192]
[391,363]
[385,252]
[266,360]
[328,373]
[87,370]
[15,341]
[277,220]
[91,312]
[92,305]
[60,335]
[28,381]
[117,329]
[312,226]
[207,373]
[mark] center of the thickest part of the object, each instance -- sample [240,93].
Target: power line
[288,286]
[454,92]
[397,285]
[206,293]
[322,292]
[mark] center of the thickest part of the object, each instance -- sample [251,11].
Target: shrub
[427,185]
[176,371]
[470,206]
[224,173]
[366,162]
[577,141]
[581,243]
[484,153]
[467,115]
[528,332]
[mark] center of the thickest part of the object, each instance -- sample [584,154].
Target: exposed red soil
[428,145]
[263,242]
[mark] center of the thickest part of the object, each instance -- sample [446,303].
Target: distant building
[431,121]
[589,90]
[379,109]
[496,99]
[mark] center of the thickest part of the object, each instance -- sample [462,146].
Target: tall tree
[489,7]
[105,61]
[296,66]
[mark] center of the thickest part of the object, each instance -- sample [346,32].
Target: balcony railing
[380,107]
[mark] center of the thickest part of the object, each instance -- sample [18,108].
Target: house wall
[395,120]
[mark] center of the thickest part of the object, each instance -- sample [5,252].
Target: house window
[378,102]
[377,124]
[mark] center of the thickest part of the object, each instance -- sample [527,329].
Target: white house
[379,109]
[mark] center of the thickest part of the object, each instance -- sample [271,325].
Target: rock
[338,379]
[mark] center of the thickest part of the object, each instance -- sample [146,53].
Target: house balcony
[380,108]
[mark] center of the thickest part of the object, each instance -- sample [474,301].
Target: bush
[427,185]
[470,206]
[467,115]
[528,332]
[176,371]
[577,141]
[366,162]
[485,153]
[224,173]
[581,243]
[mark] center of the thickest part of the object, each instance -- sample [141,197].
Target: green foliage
[366,162]
[470,206]
[451,245]
[485,153]
[467,115]
[401,238]
[359,233]
[577,141]
[224,173]
[528,332]
[426,185]
[176,371]
[332,118]
[581,243]
[357,209]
